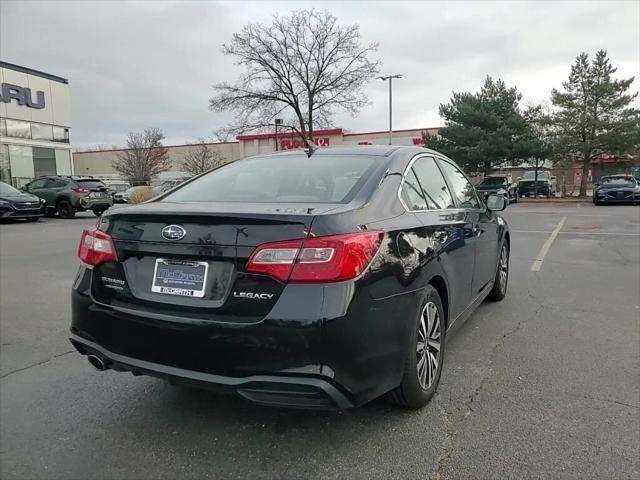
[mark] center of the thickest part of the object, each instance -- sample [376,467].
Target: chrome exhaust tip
[97,362]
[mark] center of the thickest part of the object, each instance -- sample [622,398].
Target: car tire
[33,219]
[65,209]
[419,381]
[501,280]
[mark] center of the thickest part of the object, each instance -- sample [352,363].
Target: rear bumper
[524,190]
[95,203]
[271,390]
[321,346]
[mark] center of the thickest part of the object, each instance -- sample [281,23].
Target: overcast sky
[137,65]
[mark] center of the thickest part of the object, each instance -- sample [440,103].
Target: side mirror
[496,203]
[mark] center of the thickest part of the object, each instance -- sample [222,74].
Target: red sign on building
[288,144]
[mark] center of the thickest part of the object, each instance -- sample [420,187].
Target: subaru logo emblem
[173,232]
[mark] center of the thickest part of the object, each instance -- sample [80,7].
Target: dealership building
[99,163]
[35,119]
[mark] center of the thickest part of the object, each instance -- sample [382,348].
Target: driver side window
[462,187]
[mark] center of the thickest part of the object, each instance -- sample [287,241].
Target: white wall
[57,110]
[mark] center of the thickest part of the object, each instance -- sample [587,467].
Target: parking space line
[614,234]
[537,264]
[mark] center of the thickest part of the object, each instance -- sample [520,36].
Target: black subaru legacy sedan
[312,282]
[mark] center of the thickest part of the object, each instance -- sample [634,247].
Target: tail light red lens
[80,190]
[333,258]
[96,247]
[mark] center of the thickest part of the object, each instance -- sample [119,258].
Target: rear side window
[55,183]
[432,183]
[412,193]
[286,179]
[90,183]
[462,188]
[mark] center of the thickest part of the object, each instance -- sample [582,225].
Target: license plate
[96,195]
[178,277]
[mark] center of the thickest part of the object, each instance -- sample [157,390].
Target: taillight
[80,190]
[317,259]
[96,247]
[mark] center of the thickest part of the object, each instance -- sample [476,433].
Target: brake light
[318,259]
[96,247]
[80,190]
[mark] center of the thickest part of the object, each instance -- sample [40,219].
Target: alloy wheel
[428,345]
[503,269]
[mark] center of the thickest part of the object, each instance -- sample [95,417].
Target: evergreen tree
[593,114]
[481,129]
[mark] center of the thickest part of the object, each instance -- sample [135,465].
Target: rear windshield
[280,179]
[532,175]
[90,183]
[494,181]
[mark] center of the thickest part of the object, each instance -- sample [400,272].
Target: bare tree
[300,68]
[202,158]
[144,157]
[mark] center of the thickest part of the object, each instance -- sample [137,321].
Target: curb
[555,200]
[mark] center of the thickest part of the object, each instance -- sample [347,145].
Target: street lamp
[384,79]
[278,121]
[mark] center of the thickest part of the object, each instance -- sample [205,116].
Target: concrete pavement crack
[35,364]
[451,422]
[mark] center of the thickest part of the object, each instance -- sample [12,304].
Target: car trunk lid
[216,243]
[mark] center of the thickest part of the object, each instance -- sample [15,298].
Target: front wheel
[65,209]
[499,290]
[425,353]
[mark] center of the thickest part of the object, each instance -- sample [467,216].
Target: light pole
[390,79]
[278,121]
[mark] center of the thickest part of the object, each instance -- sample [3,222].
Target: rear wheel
[499,290]
[425,353]
[65,209]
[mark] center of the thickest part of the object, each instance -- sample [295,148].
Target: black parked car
[501,185]
[617,189]
[547,184]
[66,195]
[17,204]
[294,281]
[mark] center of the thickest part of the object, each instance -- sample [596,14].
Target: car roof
[365,150]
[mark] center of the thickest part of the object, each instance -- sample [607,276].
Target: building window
[41,132]
[44,161]
[21,161]
[18,129]
[5,166]
[61,134]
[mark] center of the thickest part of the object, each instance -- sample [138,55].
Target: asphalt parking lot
[545,384]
